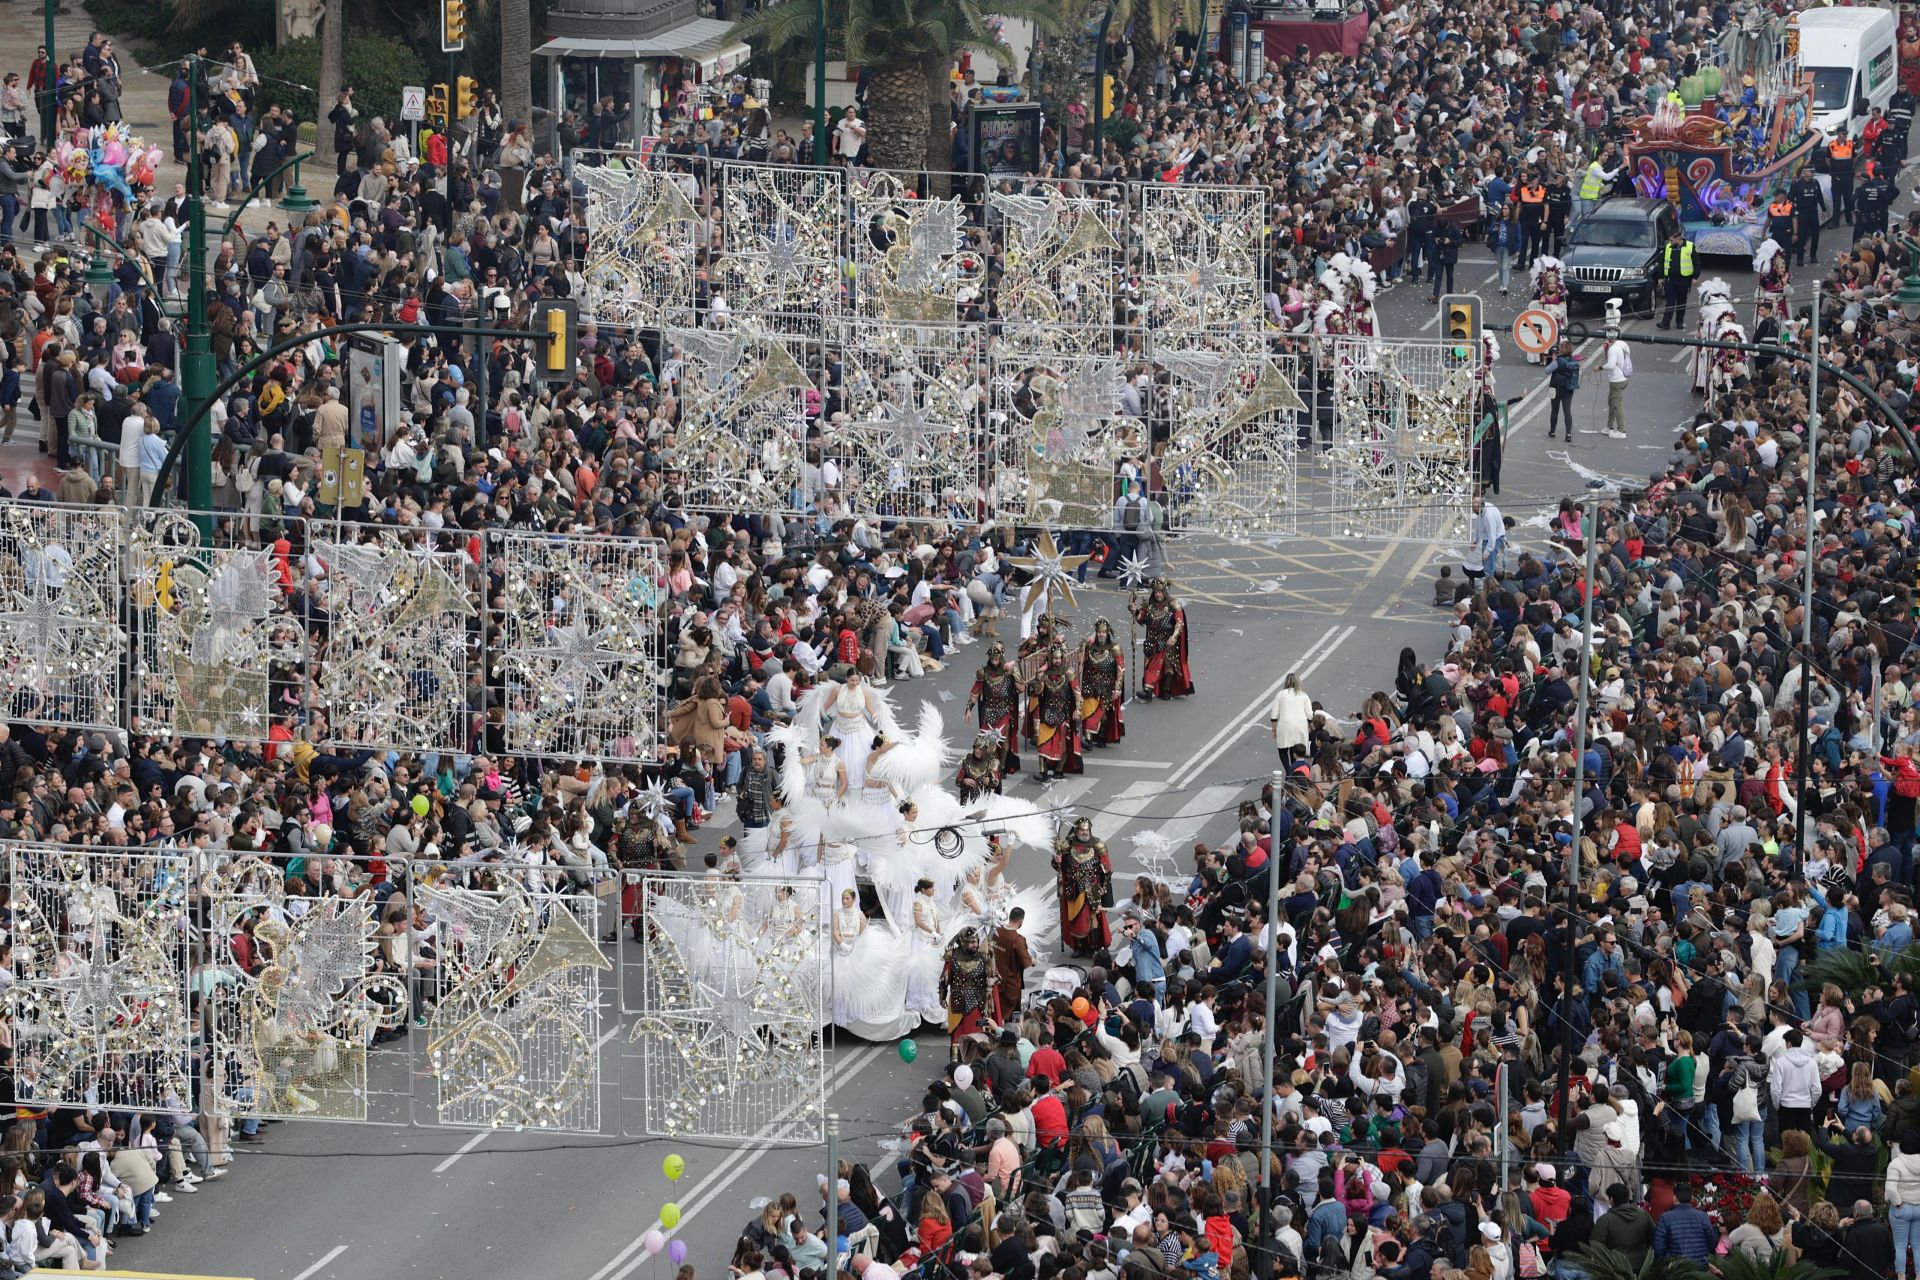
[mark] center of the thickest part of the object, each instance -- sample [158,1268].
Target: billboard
[1004,137]
[374,365]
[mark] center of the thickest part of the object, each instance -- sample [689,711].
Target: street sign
[413,102]
[1535,331]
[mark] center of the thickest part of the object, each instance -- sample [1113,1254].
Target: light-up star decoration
[582,660]
[642,241]
[1135,571]
[396,674]
[731,1014]
[782,228]
[60,634]
[1051,573]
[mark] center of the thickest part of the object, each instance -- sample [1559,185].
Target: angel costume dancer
[911,829]
[1715,303]
[1549,294]
[854,709]
[1770,264]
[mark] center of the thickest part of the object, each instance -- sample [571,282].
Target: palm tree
[1601,1263]
[1739,1265]
[907,47]
[516,60]
[333,58]
[1150,26]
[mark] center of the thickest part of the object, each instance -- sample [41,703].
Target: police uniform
[1780,219]
[1840,167]
[1676,273]
[1809,201]
[1870,205]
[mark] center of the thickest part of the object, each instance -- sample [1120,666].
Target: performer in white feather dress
[855,713]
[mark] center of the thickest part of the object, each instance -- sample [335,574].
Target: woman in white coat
[1292,714]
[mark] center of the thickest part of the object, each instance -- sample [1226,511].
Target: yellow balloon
[674,1167]
[669,1215]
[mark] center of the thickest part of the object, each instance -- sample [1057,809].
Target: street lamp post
[1100,89]
[196,363]
[49,103]
[1805,762]
[1579,788]
[821,151]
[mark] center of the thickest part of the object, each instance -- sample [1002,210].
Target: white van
[1849,56]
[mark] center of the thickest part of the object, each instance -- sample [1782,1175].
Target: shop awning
[702,41]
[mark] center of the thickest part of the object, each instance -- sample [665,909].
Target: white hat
[1615,1131]
[1491,1230]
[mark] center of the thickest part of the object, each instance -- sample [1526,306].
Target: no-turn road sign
[1535,331]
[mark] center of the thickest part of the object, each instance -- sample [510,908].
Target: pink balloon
[653,1242]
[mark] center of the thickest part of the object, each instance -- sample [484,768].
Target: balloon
[963,1076]
[670,1215]
[674,1167]
[909,1051]
[1080,1006]
[421,805]
[677,1251]
[653,1242]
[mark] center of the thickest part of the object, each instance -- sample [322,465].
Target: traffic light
[1460,318]
[437,104]
[466,91]
[453,25]
[557,320]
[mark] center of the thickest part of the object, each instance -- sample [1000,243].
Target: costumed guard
[982,769]
[1053,717]
[1715,302]
[1086,885]
[1550,295]
[1046,630]
[1770,264]
[967,988]
[1103,687]
[1164,645]
[638,847]
[995,702]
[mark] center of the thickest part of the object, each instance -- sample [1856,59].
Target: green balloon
[669,1215]
[674,1167]
[421,805]
[909,1051]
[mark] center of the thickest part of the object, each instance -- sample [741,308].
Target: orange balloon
[1080,1006]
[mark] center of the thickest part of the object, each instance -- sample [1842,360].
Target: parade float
[1736,132]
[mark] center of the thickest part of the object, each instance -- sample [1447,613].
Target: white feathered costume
[903,826]
[1715,302]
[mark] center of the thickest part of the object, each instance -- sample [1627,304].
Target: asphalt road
[328,1202]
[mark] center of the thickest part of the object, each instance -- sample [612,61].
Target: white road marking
[469,1145]
[1103,761]
[1231,729]
[315,1269]
[1118,812]
[1433,322]
[1534,401]
[1322,649]
[1209,803]
[474,1142]
[704,1192]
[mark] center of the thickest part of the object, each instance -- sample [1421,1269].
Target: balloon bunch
[109,157]
[675,1167]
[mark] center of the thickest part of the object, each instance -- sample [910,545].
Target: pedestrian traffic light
[557,321]
[453,25]
[1460,318]
[466,91]
[437,104]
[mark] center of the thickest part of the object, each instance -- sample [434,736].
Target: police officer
[1872,201]
[1559,208]
[1594,184]
[1676,276]
[1840,168]
[1809,202]
[1421,214]
[1900,116]
[1780,218]
[1447,238]
[1533,218]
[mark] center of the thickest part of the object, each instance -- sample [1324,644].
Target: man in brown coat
[330,421]
[1011,960]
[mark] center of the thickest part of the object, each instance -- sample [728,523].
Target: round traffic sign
[1535,331]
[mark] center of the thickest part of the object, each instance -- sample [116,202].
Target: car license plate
[1592,286]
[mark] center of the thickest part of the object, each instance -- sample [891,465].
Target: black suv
[1614,251]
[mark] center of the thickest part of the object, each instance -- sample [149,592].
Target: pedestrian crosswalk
[1178,817]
